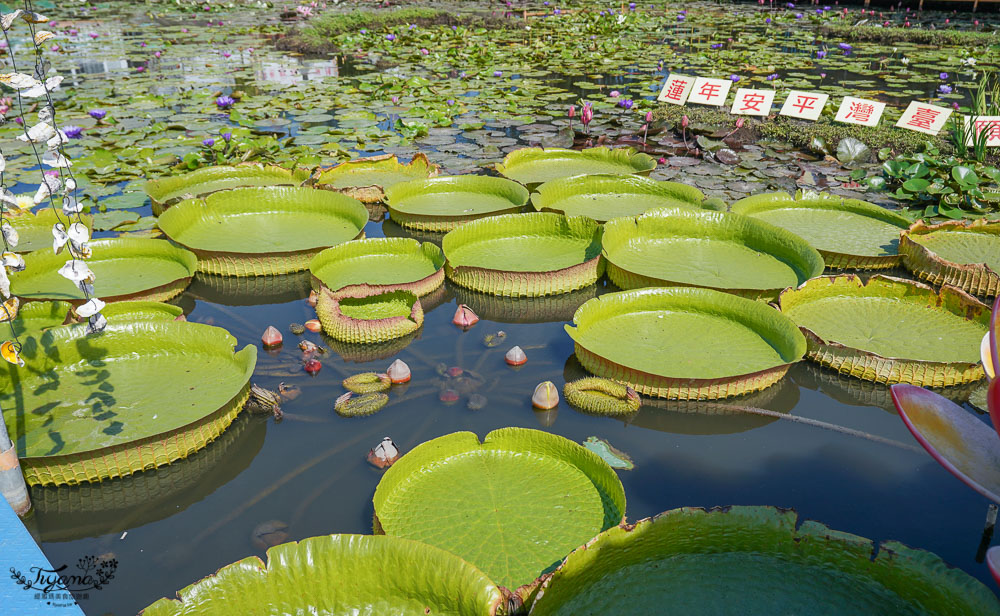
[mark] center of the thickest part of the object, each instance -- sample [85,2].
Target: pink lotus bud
[464,317]
[572,112]
[649,117]
[398,372]
[739,122]
[662,161]
[685,122]
[515,357]
[615,94]
[587,114]
[546,396]
[312,366]
[272,337]
[313,325]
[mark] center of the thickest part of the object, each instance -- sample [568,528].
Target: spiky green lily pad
[849,233]
[342,574]
[443,203]
[382,263]
[890,330]
[753,561]
[366,179]
[716,250]
[448,492]
[965,254]
[124,269]
[531,255]
[164,192]
[601,396]
[603,197]
[359,314]
[35,230]
[533,166]
[263,231]
[684,342]
[87,408]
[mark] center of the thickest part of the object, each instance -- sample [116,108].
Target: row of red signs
[921,117]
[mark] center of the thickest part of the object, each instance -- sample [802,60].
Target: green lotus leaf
[124,269]
[167,191]
[342,574]
[141,394]
[753,561]
[684,342]
[455,493]
[890,330]
[443,203]
[383,263]
[850,234]
[263,231]
[35,230]
[965,254]
[531,255]
[716,250]
[366,179]
[363,314]
[252,291]
[533,166]
[603,197]
[34,317]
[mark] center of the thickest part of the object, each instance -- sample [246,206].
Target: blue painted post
[11,479]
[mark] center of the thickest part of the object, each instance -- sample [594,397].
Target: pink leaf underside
[959,441]
[993,560]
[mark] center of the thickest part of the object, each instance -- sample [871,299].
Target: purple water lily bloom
[944,89]
[97,114]
[680,18]
[772,76]
[716,45]
[631,6]
[363,31]
[768,20]
[497,73]
[821,54]
[390,37]
[943,76]
[450,102]
[798,16]
[734,78]
[208,142]
[790,5]
[227,136]
[225,102]
[73,132]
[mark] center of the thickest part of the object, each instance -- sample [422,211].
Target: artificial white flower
[75,270]
[90,308]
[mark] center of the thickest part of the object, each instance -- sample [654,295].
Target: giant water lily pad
[685,343]
[533,166]
[849,233]
[603,197]
[890,330]
[531,255]
[753,561]
[124,269]
[965,254]
[164,192]
[263,231]
[717,250]
[366,315]
[366,179]
[35,230]
[453,492]
[139,395]
[443,203]
[382,263]
[342,574]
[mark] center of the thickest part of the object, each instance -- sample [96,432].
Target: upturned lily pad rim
[419,570]
[978,278]
[174,188]
[627,157]
[547,196]
[419,166]
[384,246]
[928,583]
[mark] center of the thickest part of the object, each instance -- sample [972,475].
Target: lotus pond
[443,112]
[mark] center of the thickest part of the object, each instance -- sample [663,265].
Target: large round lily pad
[532,255]
[603,197]
[685,343]
[141,394]
[124,269]
[263,231]
[701,248]
[849,233]
[382,263]
[533,166]
[890,330]
[443,203]
[458,494]
[34,231]
[366,179]
[753,561]
[341,574]
[965,254]
[166,191]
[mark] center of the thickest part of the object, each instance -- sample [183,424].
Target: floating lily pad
[753,561]
[366,179]
[165,192]
[263,231]
[443,203]
[960,253]
[447,493]
[685,343]
[342,574]
[615,457]
[531,255]
[86,408]
[124,269]
[850,234]
[716,250]
[142,310]
[35,230]
[381,263]
[361,314]
[533,166]
[890,330]
[603,197]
